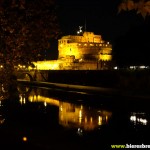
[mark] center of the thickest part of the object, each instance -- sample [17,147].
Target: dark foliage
[26,27]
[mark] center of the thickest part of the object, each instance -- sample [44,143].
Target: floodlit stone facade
[80,52]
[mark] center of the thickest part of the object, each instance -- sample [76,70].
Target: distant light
[133,118]
[24,139]
[99,120]
[78,32]
[80,131]
[24,100]
[142,67]
[115,67]
[45,104]
[132,67]
[80,60]
[80,114]
[91,119]
[139,120]
[143,121]
[61,108]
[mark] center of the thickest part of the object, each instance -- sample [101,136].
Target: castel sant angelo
[83,51]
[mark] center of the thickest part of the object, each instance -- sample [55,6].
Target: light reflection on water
[2,119]
[77,116]
[139,118]
[73,115]
[54,121]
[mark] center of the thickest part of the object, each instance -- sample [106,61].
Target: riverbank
[121,79]
[109,98]
[103,91]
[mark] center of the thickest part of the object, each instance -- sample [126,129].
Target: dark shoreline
[111,98]
[122,79]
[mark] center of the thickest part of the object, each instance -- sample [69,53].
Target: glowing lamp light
[45,104]
[24,139]
[115,67]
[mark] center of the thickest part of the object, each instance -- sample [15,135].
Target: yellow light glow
[24,139]
[80,116]
[106,118]
[99,120]
[80,120]
[80,113]
[20,99]
[2,120]
[24,100]
[73,115]
[45,104]
[91,119]
[85,119]
[44,99]
[61,108]
[105,57]
[47,65]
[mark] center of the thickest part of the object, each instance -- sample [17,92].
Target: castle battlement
[80,52]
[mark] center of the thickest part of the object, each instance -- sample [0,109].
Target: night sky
[99,16]
[126,31]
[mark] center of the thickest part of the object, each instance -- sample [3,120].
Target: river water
[44,119]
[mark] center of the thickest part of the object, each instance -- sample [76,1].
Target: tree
[132,47]
[140,6]
[25,31]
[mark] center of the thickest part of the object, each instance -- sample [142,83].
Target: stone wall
[122,79]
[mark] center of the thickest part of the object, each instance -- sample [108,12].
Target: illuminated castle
[84,51]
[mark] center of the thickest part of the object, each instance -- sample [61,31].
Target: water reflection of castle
[75,116]
[71,115]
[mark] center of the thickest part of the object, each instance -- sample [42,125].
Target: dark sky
[100,16]
[127,30]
